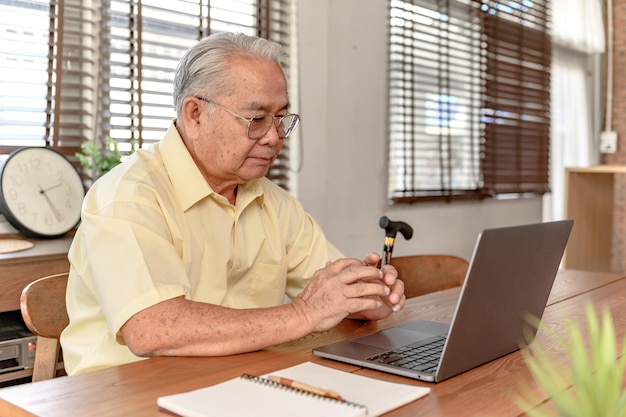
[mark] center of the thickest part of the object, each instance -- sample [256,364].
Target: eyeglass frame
[288,131]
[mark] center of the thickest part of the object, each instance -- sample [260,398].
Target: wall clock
[41,192]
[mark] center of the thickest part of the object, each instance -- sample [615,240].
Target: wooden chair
[43,309]
[423,274]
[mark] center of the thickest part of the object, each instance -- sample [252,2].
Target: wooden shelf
[589,201]
[13,375]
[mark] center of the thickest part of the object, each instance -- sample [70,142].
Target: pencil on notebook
[306,387]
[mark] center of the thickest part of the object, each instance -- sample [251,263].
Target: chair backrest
[423,274]
[43,308]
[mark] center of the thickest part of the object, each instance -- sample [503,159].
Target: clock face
[41,192]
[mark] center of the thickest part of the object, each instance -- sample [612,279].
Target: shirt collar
[189,185]
[187,180]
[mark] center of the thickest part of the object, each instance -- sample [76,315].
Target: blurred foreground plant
[592,385]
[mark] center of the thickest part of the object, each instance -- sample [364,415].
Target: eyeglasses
[258,126]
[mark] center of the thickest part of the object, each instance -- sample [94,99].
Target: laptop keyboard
[418,357]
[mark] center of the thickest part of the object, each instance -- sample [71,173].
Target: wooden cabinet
[589,201]
[17,269]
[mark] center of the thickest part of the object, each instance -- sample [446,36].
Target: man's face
[223,150]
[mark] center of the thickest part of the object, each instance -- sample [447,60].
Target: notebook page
[245,397]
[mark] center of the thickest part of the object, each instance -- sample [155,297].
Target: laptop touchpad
[393,337]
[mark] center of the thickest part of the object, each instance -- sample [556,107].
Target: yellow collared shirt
[153,229]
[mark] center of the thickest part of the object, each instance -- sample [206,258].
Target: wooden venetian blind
[468,99]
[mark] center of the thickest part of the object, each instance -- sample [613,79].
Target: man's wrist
[303,320]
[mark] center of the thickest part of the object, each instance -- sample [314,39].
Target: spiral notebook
[260,396]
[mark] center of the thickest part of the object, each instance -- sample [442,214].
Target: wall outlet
[608,142]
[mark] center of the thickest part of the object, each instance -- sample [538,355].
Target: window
[75,70]
[468,99]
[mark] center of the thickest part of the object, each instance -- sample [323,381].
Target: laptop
[510,277]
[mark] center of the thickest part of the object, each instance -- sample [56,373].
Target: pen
[306,387]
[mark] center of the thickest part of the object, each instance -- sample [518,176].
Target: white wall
[342,87]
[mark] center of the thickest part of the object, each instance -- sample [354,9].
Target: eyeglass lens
[285,125]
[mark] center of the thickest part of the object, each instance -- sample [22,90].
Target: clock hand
[50,188]
[55,211]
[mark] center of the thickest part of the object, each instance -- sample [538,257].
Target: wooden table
[132,389]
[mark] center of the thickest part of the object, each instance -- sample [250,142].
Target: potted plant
[96,161]
[593,381]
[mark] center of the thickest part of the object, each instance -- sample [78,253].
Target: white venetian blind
[47,66]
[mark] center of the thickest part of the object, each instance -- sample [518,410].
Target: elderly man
[187,249]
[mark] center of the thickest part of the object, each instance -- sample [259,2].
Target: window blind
[47,86]
[73,71]
[468,99]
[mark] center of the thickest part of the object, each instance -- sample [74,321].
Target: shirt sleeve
[132,262]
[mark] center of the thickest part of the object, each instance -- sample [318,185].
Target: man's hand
[390,303]
[343,287]
[350,287]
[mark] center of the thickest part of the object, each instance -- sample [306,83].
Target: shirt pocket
[266,286]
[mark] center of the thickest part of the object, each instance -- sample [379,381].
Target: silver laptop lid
[510,276]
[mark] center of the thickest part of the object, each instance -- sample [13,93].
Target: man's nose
[272,137]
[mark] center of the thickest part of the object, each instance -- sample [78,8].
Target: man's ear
[191,111]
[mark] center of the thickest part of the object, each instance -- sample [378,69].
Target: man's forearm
[180,327]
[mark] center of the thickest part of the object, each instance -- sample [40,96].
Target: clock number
[35,163]
[12,193]
[23,168]
[16,180]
